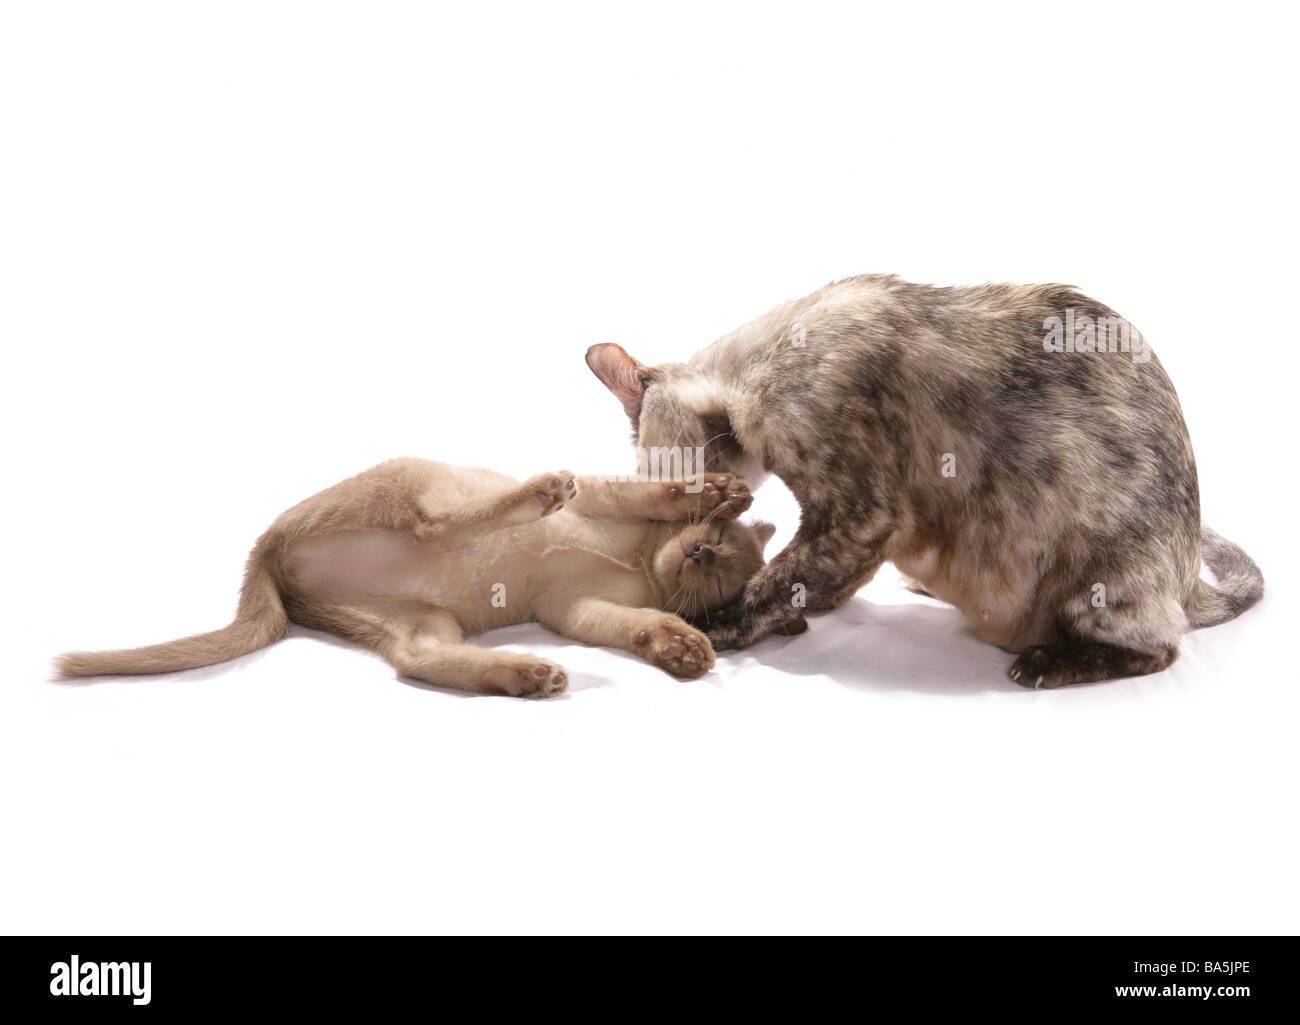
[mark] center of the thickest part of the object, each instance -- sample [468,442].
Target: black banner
[158,978]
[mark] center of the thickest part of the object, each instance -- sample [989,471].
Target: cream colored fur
[411,557]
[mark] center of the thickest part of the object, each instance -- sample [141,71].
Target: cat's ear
[763,531]
[622,375]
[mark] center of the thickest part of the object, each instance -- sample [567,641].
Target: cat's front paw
[552,490]
[731,633]
[537,678]
[675,647]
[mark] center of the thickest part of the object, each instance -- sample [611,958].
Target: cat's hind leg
[427,643]
[1080,661]
[916,587]
[1118,619]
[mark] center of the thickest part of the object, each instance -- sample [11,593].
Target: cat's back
[883,310]
[879,337]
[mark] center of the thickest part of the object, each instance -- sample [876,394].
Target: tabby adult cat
[1042,484]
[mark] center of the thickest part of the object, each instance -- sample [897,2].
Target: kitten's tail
[1241,584]
[259,621]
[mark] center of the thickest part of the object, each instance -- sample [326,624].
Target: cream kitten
[411,557]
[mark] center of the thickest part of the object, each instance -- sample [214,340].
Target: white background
[247,249]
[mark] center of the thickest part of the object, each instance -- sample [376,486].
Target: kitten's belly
[487,581]
[360,564]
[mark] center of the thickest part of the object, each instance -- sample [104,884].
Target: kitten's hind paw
[552,490]
[537,678]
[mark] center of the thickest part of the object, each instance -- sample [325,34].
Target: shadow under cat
[925,648]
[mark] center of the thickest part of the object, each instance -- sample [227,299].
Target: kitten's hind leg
[537,497]
[426,642]
[483,670]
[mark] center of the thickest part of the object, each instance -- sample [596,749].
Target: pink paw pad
[552,492]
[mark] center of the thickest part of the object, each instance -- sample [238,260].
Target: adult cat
[1043,484]
[410,557]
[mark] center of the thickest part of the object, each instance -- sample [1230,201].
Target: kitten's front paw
[552,490]
[538,678]
[675,647]
[720,494]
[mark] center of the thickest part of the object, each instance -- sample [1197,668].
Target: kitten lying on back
[412,556]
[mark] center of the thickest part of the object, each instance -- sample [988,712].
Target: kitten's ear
[622,375]
[763,531]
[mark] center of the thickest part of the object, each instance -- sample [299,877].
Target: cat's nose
[704,556]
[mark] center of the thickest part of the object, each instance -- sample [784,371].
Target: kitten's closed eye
[713,561]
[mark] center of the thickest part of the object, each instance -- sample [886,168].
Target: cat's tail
[1241,584]
[259,622]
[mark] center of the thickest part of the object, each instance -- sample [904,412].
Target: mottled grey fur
[1070,475]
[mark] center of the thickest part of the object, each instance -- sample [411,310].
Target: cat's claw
[540,679]
[676,648]
[1040,667]
[552,490]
